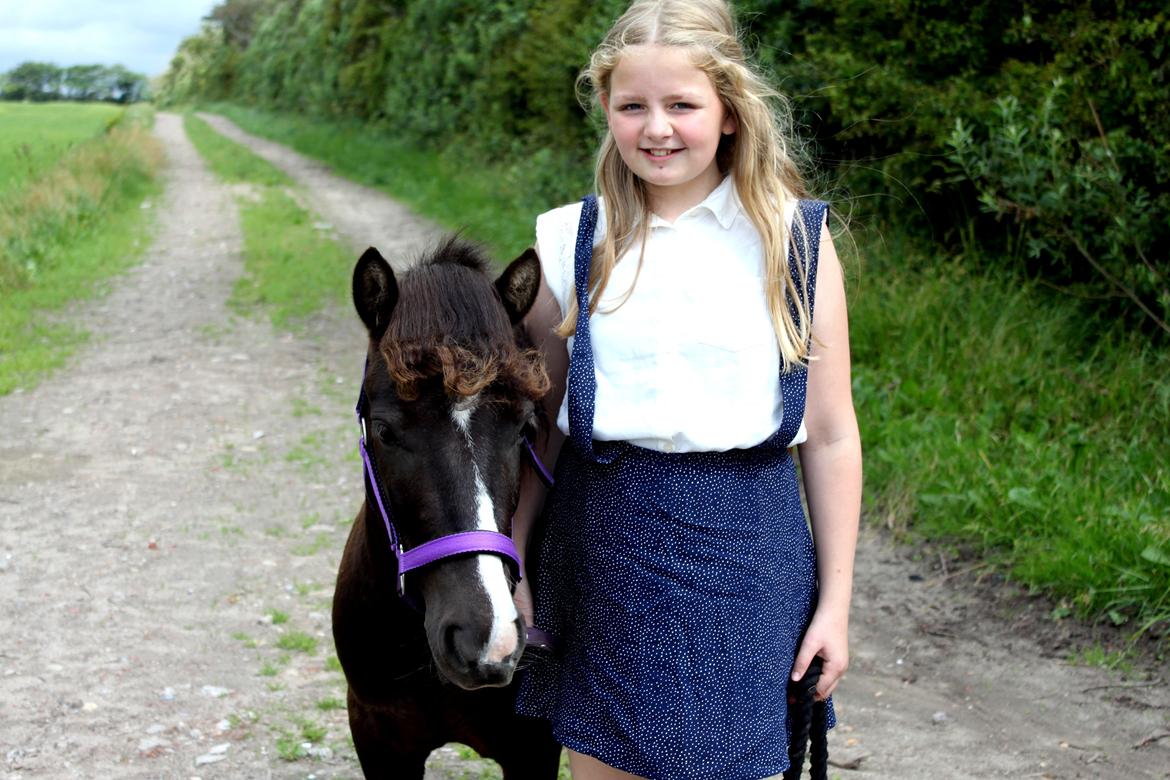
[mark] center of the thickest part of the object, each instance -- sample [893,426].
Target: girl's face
[667,119]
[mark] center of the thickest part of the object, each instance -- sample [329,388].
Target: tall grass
[293,266]
[997,418]
[1000,418]
[35,136]
[64,232]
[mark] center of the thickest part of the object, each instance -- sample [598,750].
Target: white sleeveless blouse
[689,362]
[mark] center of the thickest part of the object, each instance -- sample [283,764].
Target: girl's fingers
[808,651]
[831,674]
[523,599]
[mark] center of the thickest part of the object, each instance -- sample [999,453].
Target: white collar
[723,203]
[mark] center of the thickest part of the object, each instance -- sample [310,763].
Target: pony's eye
[383,432]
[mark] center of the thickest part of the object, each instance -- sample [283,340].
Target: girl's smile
[667,121]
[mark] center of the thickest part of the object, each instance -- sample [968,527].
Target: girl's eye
[682,106]
[629,107]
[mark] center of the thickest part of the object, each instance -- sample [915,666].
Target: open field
[34,136]
[68,226]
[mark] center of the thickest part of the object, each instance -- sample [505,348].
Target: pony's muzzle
[473,664]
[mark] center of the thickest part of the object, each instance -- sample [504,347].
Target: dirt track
[191,472]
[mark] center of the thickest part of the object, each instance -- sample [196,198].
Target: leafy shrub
[1073,206]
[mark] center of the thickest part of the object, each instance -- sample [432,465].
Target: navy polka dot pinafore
[678,586]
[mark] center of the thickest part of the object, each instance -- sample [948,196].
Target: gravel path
[172,506]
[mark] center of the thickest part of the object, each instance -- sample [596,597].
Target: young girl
[674,564]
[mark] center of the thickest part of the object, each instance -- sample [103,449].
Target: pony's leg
[374,740]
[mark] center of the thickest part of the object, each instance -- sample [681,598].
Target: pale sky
[140,34]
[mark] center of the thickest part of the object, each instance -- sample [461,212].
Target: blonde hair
[758,155]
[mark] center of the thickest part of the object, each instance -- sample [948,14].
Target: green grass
[311,731]
[230,161]
[492,205]
[293,269]
[319,542]
[997,418]
[34,137]
[288,747]
[297,641]
[63,235]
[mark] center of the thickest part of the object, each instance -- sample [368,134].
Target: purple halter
[426,553]
[451,545]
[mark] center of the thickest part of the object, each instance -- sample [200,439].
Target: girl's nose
[658,126]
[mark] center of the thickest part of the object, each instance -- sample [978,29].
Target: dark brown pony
[451,389]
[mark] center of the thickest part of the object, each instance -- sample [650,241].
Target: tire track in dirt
[183,477]
[362,215]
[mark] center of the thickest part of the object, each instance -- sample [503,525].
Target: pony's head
[452,389]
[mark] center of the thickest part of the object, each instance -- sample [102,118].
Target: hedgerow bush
[942,118]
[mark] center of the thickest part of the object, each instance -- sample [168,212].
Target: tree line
[43,81]
[1029,136]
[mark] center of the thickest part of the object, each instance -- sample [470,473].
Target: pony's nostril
[450,640]
[460,645]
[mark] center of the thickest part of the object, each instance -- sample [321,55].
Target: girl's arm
[830,462]
[541,320]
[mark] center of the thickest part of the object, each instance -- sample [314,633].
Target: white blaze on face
[493,579]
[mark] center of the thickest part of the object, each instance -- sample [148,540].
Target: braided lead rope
[807,719]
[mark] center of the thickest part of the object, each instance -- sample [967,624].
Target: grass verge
[293,266]
[999,419]
[35,136]
[65,232]
[996,418]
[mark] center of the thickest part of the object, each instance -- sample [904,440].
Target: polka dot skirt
[678,586]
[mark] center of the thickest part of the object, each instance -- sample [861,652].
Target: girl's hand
[523,598]
[828,637]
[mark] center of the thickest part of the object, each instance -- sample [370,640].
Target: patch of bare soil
[173,504]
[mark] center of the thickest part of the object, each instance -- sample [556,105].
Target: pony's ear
[519,283]
[375,291]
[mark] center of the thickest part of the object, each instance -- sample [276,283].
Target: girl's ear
[730,125]
[604,98]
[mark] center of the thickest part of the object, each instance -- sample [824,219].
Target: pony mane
[450,324]
[455,250]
